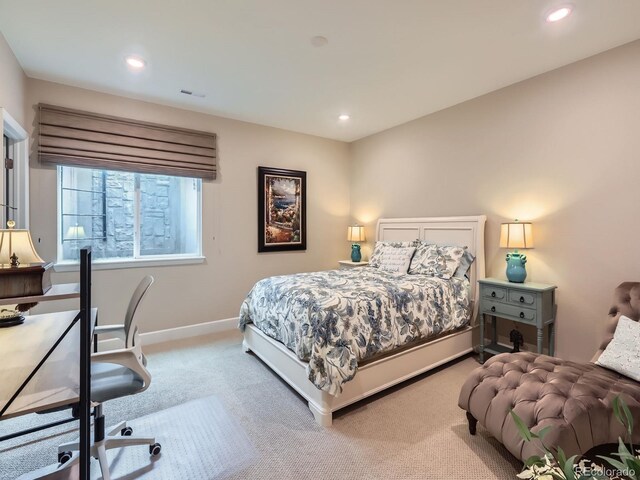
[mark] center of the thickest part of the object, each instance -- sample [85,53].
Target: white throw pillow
[396,260]
[622,355]
[382,247]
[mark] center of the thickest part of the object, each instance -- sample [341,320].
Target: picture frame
[282,210]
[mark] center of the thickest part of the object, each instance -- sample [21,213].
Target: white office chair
[128,330]
[115,374]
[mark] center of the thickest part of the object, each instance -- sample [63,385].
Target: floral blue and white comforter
[337,318]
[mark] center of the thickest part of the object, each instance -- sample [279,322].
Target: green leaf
[593,476]
[634,464]
[614,463]
[567,468]
[543,431]
[561,457]
[616,409]
[558,477]
[623,451]
[534,460]
[524,431]
[627,413]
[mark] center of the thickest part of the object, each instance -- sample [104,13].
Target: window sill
[131,263]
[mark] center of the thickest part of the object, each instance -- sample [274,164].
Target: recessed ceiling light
[136,63]
[344,117]
[559,14]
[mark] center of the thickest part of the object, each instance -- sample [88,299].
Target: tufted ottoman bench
[574,398]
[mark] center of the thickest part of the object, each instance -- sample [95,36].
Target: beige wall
[214,290]
[12,83]
[561,150]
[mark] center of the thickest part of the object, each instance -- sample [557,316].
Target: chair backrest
[130,320]
[626,301]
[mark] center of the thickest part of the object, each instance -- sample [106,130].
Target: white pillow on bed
[394,257]
[622,355]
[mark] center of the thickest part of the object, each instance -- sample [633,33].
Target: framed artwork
[282,210]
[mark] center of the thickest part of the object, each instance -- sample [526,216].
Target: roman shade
[74,137]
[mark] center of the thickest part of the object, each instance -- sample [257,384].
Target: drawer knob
[493,309]
[521,299]
[521,314]
[493,294]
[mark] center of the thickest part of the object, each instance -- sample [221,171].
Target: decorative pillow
[423,251]
[437,261]
[622,355]
[382,247]
[396,260]
[465,264]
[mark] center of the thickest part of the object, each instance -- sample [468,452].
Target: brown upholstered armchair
[574,398]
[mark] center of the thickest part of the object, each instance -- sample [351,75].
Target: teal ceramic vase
[516,272]
[356,256]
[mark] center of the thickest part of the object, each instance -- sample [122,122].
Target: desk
[47,395]
[59,291]
[21,348]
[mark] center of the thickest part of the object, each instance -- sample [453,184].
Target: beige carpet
[415,431]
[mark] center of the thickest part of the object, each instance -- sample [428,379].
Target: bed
[305,326]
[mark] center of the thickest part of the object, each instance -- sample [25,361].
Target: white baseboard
[177,333]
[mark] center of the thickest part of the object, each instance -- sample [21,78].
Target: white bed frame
[393,369]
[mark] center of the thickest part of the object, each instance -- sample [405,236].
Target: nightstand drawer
[521,297]
[496,293]
[527,315]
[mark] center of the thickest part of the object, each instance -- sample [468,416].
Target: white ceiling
[386,62]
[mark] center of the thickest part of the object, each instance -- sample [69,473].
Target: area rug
[199,439]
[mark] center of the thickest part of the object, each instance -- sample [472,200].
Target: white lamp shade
[75,232]
[355,234]
[17,242]
[516,235]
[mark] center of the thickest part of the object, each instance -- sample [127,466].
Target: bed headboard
[461,231]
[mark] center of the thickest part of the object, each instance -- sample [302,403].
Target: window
[127,216]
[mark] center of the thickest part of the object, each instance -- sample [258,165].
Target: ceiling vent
[193,94]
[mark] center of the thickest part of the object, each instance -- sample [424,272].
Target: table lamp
[22,272]
[516,235]
[16,247]
[75,232]
[355,234]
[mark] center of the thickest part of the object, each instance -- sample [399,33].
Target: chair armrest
[108,328]
[125,357]
[111,330]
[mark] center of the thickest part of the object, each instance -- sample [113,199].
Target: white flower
[526,474]
[544,472]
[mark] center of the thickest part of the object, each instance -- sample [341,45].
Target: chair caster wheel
[154,450]
[64,457]
[126,431]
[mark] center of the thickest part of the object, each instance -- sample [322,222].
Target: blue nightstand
[527,303]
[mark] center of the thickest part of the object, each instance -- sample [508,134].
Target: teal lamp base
[516,273]
[356,256]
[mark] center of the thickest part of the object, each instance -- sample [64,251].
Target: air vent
[193,94]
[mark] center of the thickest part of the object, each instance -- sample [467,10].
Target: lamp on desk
[16,247]
[516,235]
[355,234]
[22,271]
